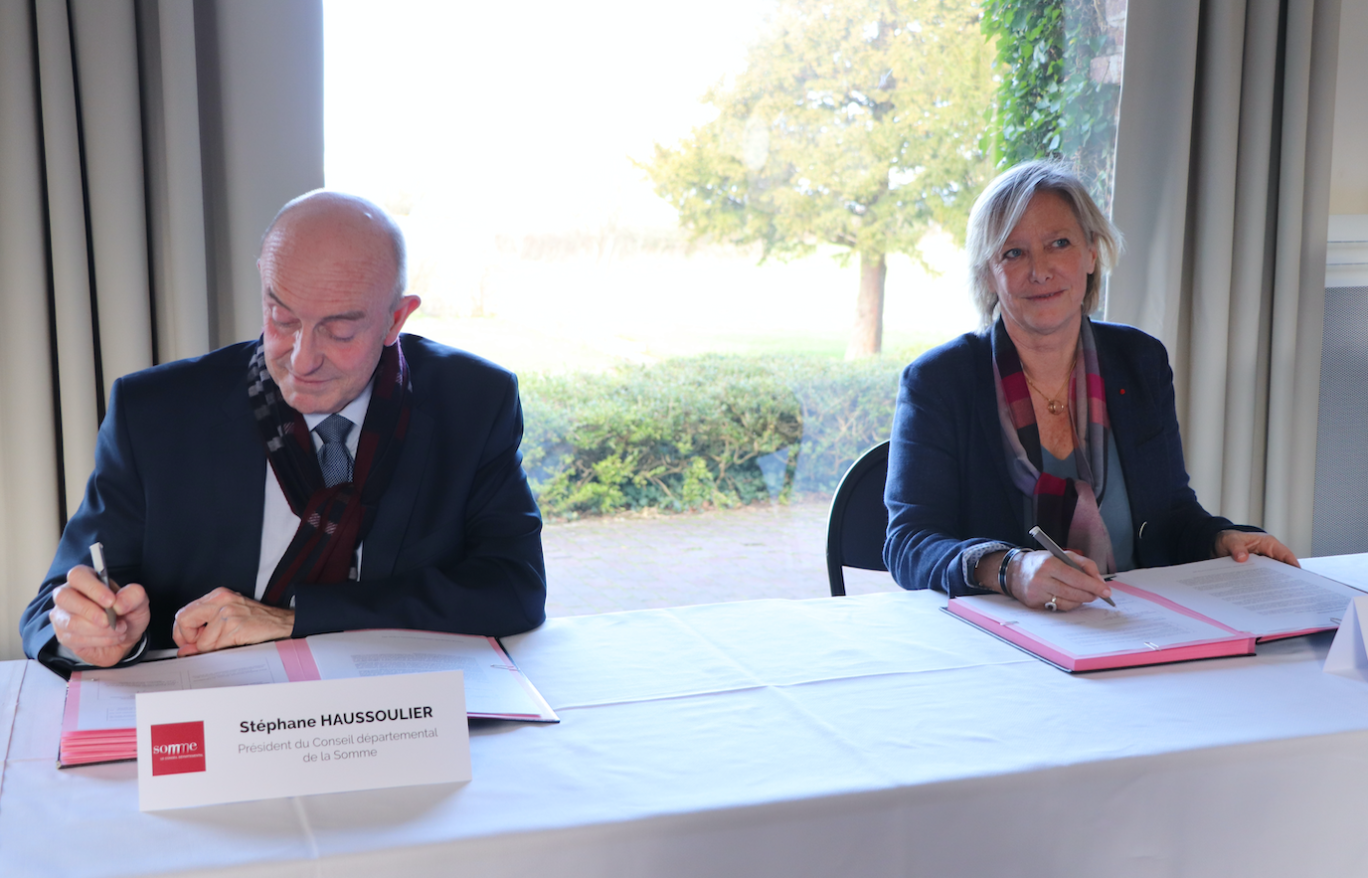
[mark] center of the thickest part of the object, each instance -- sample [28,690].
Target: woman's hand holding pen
[81,624]
[1038,579]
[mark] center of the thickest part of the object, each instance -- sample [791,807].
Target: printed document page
[492,686]
[1094,629]
[107,702]
[1261,596]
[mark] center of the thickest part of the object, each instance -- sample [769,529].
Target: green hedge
[709,431]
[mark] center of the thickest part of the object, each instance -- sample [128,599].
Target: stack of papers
[99,724]
[1165,614]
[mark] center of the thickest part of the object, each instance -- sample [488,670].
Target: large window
[707,237]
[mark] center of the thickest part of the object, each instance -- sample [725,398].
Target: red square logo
[177,748]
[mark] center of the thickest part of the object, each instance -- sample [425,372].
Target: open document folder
[1167,614]
[99,722]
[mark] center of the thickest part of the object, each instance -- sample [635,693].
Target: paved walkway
[630,563]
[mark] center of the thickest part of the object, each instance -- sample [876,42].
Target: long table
[872,735]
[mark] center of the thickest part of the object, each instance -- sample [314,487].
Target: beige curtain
[1222,191]
[143,147]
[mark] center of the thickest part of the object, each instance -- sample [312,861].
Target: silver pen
[1044,539]
[97,561]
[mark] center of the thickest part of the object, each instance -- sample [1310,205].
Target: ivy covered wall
[1061,63]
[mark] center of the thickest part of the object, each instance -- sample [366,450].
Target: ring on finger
[1051,604]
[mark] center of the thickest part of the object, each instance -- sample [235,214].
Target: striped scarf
[1066,509]
[332,521]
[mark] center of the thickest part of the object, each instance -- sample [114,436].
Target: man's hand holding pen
[82,625]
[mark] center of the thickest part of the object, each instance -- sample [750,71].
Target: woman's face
[1041,271]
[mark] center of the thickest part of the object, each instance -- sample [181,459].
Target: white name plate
[208,746]
[1348,654]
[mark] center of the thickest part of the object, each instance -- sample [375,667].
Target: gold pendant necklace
[1055,406]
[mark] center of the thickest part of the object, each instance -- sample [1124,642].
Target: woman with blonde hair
[1043,417]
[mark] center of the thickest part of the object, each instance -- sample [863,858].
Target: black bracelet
[1002,570]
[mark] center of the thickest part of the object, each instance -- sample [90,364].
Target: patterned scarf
[1066,509]
[332,521]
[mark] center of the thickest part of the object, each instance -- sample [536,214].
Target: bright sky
[527,111]
[503,119]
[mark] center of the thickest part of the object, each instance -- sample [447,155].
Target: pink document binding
[1226,642]
[113,741]
[1205,609]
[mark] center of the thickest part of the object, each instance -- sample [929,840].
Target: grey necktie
[333,457]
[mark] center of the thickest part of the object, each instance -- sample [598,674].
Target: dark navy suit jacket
[948,485]
[179,487]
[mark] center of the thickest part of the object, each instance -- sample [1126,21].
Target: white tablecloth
[871,735]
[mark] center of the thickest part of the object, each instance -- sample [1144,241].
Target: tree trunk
[866,337]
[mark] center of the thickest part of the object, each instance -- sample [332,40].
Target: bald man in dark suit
[332,475]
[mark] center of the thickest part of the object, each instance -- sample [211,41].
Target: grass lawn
[582,312]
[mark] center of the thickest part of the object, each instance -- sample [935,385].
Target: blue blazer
[948,486]
[179,488]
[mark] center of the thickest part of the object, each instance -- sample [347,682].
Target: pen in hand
[97,560]
[1044,539]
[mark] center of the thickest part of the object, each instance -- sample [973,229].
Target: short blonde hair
[1000,207]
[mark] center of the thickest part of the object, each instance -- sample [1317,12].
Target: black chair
[859,520]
